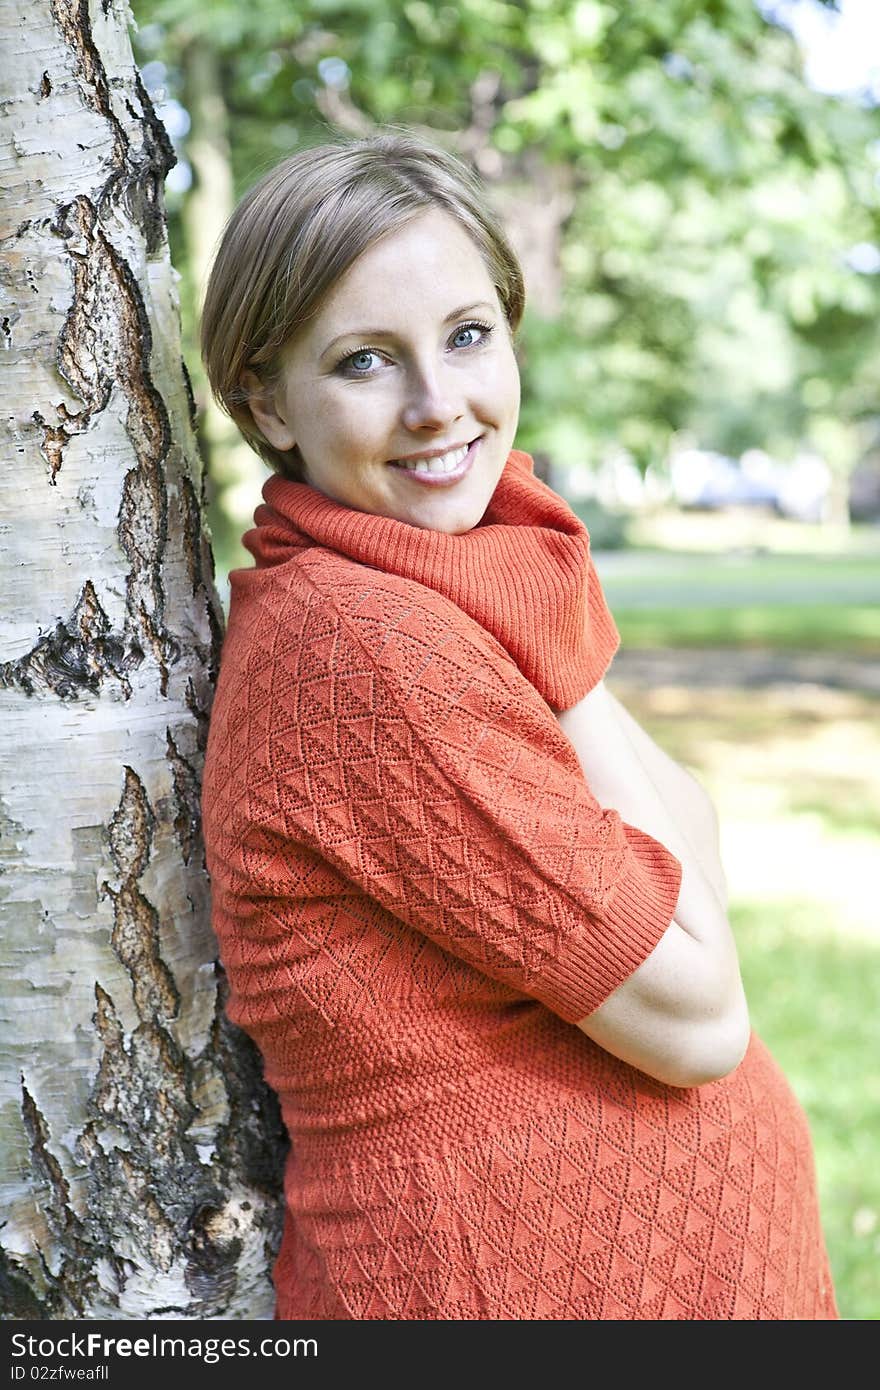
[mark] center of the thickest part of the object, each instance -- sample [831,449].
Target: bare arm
[698,821]
[682,1015]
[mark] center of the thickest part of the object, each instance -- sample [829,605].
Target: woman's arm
[699,819]
[682,1015]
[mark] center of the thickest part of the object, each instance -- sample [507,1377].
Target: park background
[694,191]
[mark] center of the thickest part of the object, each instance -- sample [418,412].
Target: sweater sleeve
[418,760]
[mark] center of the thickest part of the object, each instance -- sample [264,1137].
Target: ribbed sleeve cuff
[615,941]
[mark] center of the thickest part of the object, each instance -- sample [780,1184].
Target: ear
[263,405]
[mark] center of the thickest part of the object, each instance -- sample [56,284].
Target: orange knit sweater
[416,895]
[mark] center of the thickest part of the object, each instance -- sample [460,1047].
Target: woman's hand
[682,1015]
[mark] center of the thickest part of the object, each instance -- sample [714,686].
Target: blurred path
[744,668]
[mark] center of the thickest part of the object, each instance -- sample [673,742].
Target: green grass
[744,573]
[741,599]
[813,1000]
[812,626]
[737,598]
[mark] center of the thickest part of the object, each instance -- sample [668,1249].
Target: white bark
[139,1151]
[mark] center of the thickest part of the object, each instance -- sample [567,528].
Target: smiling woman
[301,229]
[414,418]
[474,918]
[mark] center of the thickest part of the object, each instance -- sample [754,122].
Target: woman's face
[402,393]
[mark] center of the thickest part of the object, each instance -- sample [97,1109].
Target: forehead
[428,263]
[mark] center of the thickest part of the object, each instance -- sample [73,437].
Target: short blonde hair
[300,227]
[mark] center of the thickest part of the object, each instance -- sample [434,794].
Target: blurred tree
[139,1151]
[685,205]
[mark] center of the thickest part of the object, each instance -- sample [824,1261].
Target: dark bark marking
[254,1141]
[213,1239]
[191,533]
[163,646]
[200,714]
[80,653]
[193,408]
[156,1185]
[55,437]
[130,1186]
[143,534]
[75,1274]
[106,339]
[74,22]
[18,1298]
[187,818]
[135,933]
[106,344]
[135,939]
[140,172]
[217,625]
[196,541]
[144,197]
[56,1206]
[214,1248]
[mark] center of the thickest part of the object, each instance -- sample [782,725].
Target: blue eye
[364,361]
[475,333]
[359,362]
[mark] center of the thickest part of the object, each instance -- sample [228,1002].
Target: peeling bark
[140,1151]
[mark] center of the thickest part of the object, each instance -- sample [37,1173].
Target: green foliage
[707,280]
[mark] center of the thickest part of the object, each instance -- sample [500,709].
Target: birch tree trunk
[140,1152]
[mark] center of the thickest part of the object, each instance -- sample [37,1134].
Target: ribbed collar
[524,573]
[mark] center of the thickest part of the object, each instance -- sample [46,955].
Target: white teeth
[446,463]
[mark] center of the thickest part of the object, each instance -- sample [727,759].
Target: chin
[453,521]
[455,515]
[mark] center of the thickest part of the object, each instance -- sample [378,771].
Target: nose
[432,402]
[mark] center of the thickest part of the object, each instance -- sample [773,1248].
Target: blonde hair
[300,227]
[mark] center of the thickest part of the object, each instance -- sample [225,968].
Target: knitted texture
[416,895]
[523,573]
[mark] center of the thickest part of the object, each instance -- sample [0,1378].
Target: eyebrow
[366,333]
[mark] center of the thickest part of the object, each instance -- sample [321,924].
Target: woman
[472,915]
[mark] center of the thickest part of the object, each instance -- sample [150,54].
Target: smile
[444,468]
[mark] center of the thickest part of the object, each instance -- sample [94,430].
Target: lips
[440,470]
[441,463]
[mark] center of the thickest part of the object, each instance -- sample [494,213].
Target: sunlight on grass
[747,529]
[813,1001]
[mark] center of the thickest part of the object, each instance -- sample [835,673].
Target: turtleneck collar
[524,573]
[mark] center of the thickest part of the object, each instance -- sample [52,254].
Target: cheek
[503,380]
[354,418]
[515,384]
